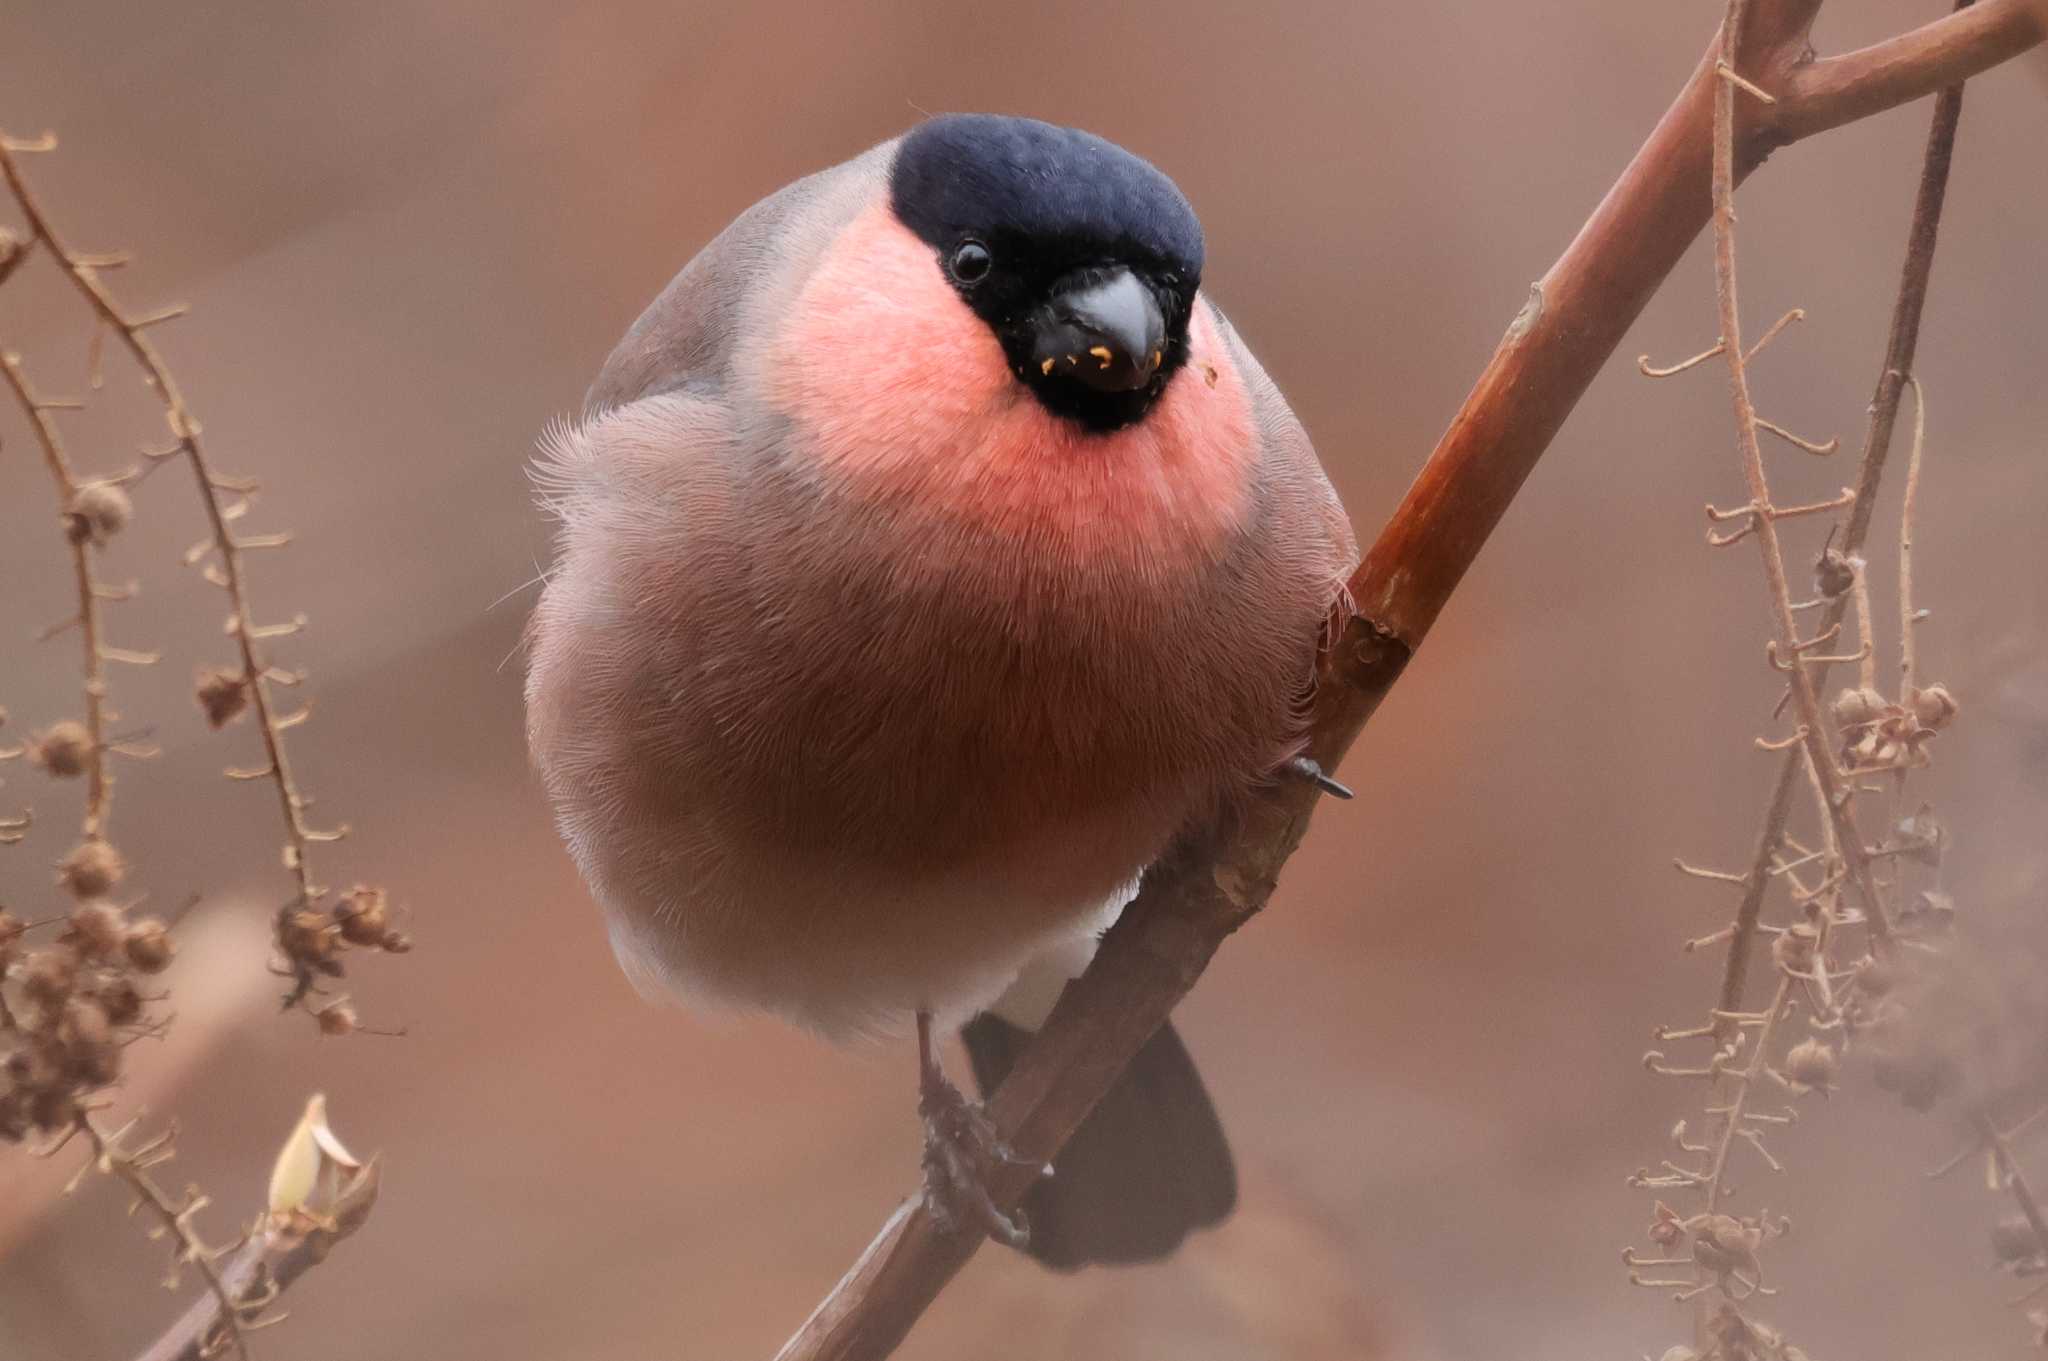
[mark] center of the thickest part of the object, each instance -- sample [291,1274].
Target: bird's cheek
[881,363]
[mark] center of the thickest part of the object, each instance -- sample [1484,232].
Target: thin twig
[99,790]
[82,271]
[176,1218]
[1819,753]
[2010,1171]
[1902,343]
[1908,624]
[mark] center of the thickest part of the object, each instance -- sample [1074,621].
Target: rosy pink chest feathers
[898,388]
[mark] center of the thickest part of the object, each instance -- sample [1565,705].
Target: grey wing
[684,341]
[1292,467]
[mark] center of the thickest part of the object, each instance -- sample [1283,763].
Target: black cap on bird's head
[1082,258]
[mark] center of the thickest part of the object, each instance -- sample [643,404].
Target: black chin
[1096,410]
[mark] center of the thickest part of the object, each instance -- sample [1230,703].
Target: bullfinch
[930,551]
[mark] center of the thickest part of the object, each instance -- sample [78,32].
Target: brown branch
[1827,94]
[1213,882]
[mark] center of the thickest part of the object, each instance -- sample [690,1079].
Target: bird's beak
[1102,328]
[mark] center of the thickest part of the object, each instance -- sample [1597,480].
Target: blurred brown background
[410,231]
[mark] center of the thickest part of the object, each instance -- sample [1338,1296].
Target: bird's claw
[961,1149]
[1309,769]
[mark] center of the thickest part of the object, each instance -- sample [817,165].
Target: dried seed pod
[1933,913]
[14,1116]
[1724,1243]
[92,870]
[2014,1239]
[1812,1066]
[1857,707]
[52,1109]
[34,1067]
[336,1018]
[1935,707]
[87,1040]
[1795,949]
[119,998]
[1666,1229]
[46,979]
[64,751]
[149,946]
[223,694]
[1834,573]
[364,915]
[308,935]
[98,511]
[97,928]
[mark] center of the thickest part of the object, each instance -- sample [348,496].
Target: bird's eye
[971,262]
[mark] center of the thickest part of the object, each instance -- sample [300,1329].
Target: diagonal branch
[1827,94]
[1215,881]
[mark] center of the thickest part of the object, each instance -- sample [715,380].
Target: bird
[929,552]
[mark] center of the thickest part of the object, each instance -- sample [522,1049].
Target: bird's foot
[961,1151]
[1310,771]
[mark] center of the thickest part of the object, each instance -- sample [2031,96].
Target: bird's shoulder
[685,340]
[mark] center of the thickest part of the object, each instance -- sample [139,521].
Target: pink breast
[902,391]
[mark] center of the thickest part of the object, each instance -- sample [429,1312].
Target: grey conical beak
[1102,328]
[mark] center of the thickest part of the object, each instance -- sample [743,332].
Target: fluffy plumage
[882,654]
[861,677]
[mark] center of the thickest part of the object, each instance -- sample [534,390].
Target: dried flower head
[1935,707]
[1811,1066]
[1796,949]
[119,998]
[14,1117]
[223,694]
[98,511]
[1834,572]
[64,750]
[97,928]
[336,1018]
[85,1037]
[1859,707]
[149,946]
[92,870]
[309,936]
[364,915]
[1724,1244]
[11,929]
[47,976]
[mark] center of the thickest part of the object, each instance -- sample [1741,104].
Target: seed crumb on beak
[1073,359]
[1046,367]
[1104,353]
[1158,358]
